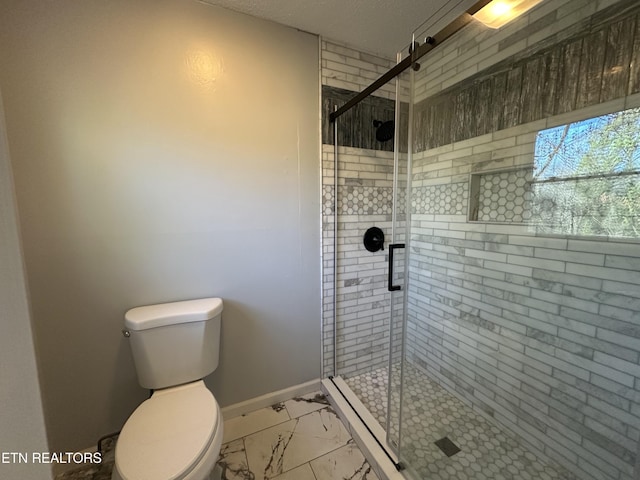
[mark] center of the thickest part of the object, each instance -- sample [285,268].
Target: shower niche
[502,196]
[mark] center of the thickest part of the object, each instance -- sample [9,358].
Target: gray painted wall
[22,422]
[163,150]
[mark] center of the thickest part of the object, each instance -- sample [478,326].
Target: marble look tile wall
[364,199]
[431,413]
[353,70]
[362,301]
[539,333]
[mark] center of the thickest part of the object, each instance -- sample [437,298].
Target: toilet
[176,434]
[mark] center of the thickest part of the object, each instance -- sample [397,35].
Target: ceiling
[382,27]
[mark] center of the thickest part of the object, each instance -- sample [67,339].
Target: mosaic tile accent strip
[432,413]
[357,200]
[445,199]
[505,196]
[327,200]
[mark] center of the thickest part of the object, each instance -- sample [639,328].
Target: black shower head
[384,130]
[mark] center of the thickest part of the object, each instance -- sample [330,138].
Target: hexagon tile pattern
[430,413]
[359,200]
[445,199]
[505,197]
[327,200]
[372,390]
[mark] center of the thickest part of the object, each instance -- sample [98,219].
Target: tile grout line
[329,410]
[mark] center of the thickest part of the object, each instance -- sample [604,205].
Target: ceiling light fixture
[500,12]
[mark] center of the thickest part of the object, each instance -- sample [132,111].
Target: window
[586,178]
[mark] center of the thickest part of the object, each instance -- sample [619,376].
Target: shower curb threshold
[363,412]
[373,452]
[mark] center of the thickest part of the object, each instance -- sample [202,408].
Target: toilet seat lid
[167,434]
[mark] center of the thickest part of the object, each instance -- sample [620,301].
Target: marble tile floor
[299,439]
[432,413]
[101,471]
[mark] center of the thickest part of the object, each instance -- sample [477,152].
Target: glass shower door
[397,260]
[522,344]
[370,203]
[364,209]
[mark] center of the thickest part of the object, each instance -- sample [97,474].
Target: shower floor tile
[372,390]
[431,414]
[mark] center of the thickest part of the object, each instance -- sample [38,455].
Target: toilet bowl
[176,434]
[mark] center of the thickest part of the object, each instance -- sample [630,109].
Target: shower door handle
[392,247]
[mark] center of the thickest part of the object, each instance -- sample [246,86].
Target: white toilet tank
[174,343]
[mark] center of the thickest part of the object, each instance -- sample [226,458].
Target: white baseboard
[269,399]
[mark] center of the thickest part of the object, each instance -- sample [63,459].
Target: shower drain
[447,446]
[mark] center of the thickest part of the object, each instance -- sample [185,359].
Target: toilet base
[216,473]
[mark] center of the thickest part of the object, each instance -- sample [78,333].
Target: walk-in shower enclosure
[512,349]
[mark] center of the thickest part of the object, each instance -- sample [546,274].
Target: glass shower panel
[366,177]
[522,343]
[396,279]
